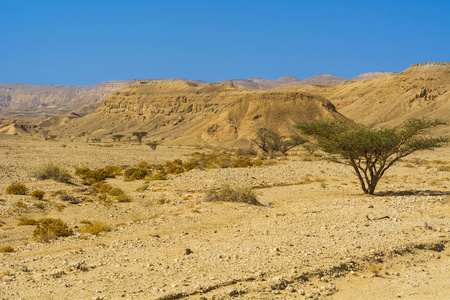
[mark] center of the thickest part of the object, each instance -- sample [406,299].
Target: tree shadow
[413,193]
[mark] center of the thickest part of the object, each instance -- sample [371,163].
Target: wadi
[184,189]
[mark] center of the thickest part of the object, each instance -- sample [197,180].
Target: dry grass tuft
[228,194]
[95,228]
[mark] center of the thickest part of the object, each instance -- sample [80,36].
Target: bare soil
[316,236]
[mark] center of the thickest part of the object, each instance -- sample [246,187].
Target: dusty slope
[307,231]
[421,90]
[185,113]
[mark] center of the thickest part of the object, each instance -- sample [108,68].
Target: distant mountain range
[26,101]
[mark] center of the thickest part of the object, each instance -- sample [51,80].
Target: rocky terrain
[315,236]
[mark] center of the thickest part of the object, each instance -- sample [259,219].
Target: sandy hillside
[421,90]
[184,113]
[315,236]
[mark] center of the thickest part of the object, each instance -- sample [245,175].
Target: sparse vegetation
[135,174]
[16,188]
[27,221]
[152,144]
[38,194]
[228,194]
[95,228]
[54,172]
[369,151]
[6,249]
[139,135]
[48,229]
[117,137]
[271,141]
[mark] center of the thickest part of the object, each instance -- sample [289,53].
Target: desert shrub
[115,192]
[69,198]
[101,187]
[27,221]
[38,194]
[242,162]
[174,167]
[80,171]
[152,145]
[123,198]
[6,249]
[54,172]
[190,165]
[228,194]
[135,173]
[158,176]
[95,228]
[142,187]
[39,205]
[111,171]
[16,189]
[48,229]
[143,164]
[20,205]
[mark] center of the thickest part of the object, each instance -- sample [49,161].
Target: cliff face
[183,113]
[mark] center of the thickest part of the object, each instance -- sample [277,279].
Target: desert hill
[421,90]
[182,112]
[25,101]
[368,76]
[323,79]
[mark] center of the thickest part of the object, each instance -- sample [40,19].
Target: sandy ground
[315,239]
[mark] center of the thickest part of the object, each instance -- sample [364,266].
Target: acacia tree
[139,135]
[370,151]
[117,137]
[271,141]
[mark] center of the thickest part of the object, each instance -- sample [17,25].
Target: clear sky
[83,42]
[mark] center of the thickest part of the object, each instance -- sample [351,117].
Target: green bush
[228,194]
[48,229]
[38,194]
[16,189]
[54,172]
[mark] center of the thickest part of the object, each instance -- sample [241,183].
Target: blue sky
[79,42]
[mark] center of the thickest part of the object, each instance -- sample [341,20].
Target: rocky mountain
[184,113]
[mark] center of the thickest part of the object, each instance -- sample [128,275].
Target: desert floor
[316,236]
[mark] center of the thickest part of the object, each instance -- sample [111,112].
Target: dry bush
[38,194]
[54,172]
[123,198]
[228,194]
[115,192]
[48,229]
[158,176]
[444,168]
[95,228]
[7,249]
[135,174]
[16,189]
[27,221]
